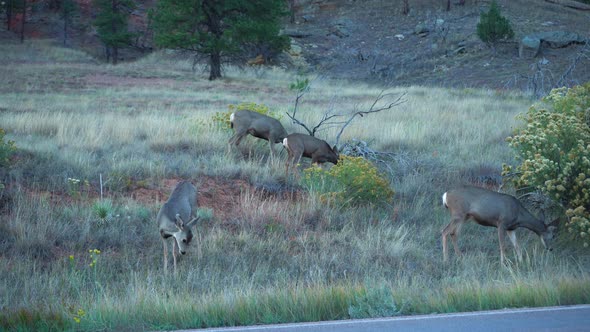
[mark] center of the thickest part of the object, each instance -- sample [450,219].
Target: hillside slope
[373,41]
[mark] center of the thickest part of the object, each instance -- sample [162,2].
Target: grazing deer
[246,122]
[179,208]
[302,145]
[490,208]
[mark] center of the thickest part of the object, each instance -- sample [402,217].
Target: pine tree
[112,25]
[219,28]
[493,27]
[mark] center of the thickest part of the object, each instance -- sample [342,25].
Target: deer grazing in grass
[246,122]
[490,208]
[172,219]
[302,145]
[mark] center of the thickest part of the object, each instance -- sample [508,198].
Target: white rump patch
[285,143]
[444,198]
[231,117]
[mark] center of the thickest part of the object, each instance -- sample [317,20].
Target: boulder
[558,39]
[529,45]
[553,39]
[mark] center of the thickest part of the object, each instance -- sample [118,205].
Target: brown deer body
[172,217]
[246,122]
[301,145]
[490,208]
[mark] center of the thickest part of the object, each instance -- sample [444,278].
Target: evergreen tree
[219,28]
[493,27]
[112,25]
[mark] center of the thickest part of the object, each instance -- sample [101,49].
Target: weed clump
[353,181]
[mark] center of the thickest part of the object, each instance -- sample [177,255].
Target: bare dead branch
[373,109]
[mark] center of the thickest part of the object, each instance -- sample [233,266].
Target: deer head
[184,235]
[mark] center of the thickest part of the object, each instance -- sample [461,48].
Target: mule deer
[302,145]
[172,218]
[490,208]
[246,122]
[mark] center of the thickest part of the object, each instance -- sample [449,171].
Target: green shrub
[353,181]
[7,148]
[493,27]
[554,150]
[374,302]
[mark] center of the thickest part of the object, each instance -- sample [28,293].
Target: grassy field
[260,256]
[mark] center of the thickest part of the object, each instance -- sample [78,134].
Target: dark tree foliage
[219,28]
[493,27]
[112,25]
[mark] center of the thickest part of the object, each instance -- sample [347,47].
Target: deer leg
[165,256]
[174,254]
[512,237]
[237,138]
[501,234]
[451,229]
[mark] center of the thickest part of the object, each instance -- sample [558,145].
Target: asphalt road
[565,318]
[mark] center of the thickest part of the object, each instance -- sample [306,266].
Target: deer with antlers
[175,219]
[490,208]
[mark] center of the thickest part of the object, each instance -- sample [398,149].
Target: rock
[529,45]
[339,30]
[558,39]
[554,39]
[294,33]
[421,29]
[399,36]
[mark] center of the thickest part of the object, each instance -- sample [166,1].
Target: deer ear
[335,149]
[179,222]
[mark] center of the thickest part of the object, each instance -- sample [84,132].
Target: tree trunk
[65,30]
[215,64]
[406,7]
[22,27]
[115,54]
[9,14]
[448,5]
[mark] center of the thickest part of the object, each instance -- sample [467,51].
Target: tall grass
[269,255]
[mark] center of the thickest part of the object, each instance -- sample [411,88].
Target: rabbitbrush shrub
[554,150]
[353,181]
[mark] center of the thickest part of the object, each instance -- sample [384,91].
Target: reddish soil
[221,195]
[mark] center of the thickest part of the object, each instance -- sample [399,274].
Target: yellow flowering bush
[353,181]
[554,150]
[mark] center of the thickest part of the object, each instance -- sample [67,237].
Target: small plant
[553,148]
[300,85]
[374,302]
[353,181]
[94,253]
[493,27]
[78,315]
[103,210]
[7,148]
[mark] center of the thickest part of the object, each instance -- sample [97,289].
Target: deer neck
[528,221]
